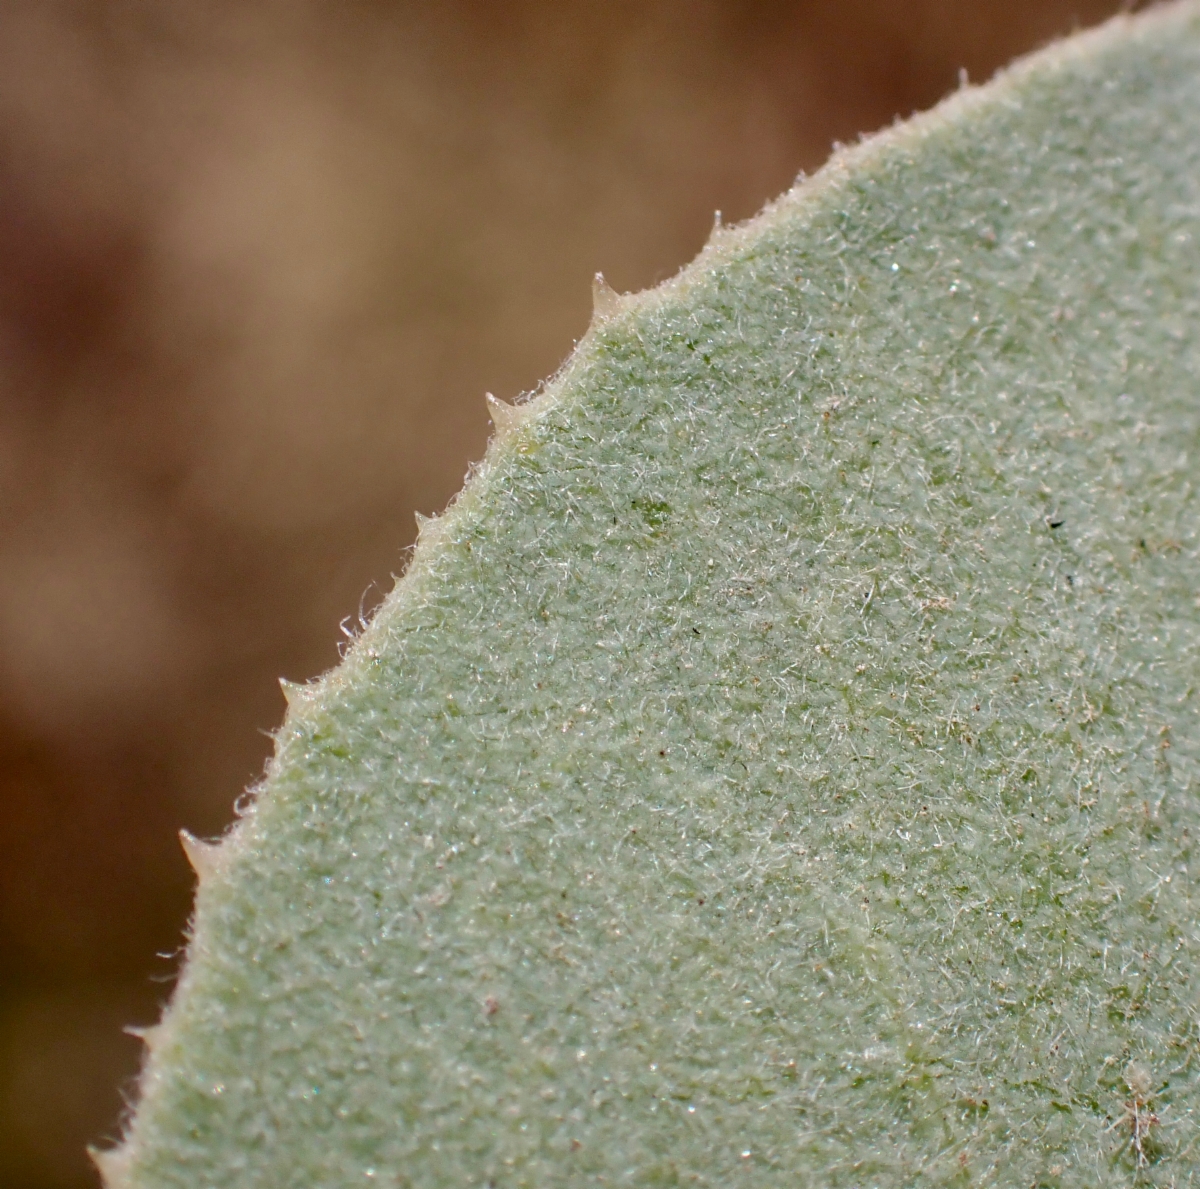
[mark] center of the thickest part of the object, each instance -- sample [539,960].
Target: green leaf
[781,763]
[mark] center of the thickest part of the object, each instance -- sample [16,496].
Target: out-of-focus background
[259,261]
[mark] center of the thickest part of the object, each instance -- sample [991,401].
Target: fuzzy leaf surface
[781,764]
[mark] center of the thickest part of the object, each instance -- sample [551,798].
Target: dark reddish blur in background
[259,262]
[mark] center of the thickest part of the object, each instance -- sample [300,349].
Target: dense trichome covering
[780,766]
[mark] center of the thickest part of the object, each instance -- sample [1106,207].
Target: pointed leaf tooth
[505,417]
[148,1034]
[718,229]
[606,301]
[429,528]
[203,856]
[112,1165]
[293,691]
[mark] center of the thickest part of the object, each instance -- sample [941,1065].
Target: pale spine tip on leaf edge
[112,1165]
[203,856]
[606,301]
[505,417]
[148,1034]
[293,691]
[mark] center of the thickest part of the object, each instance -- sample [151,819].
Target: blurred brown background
[258,263]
